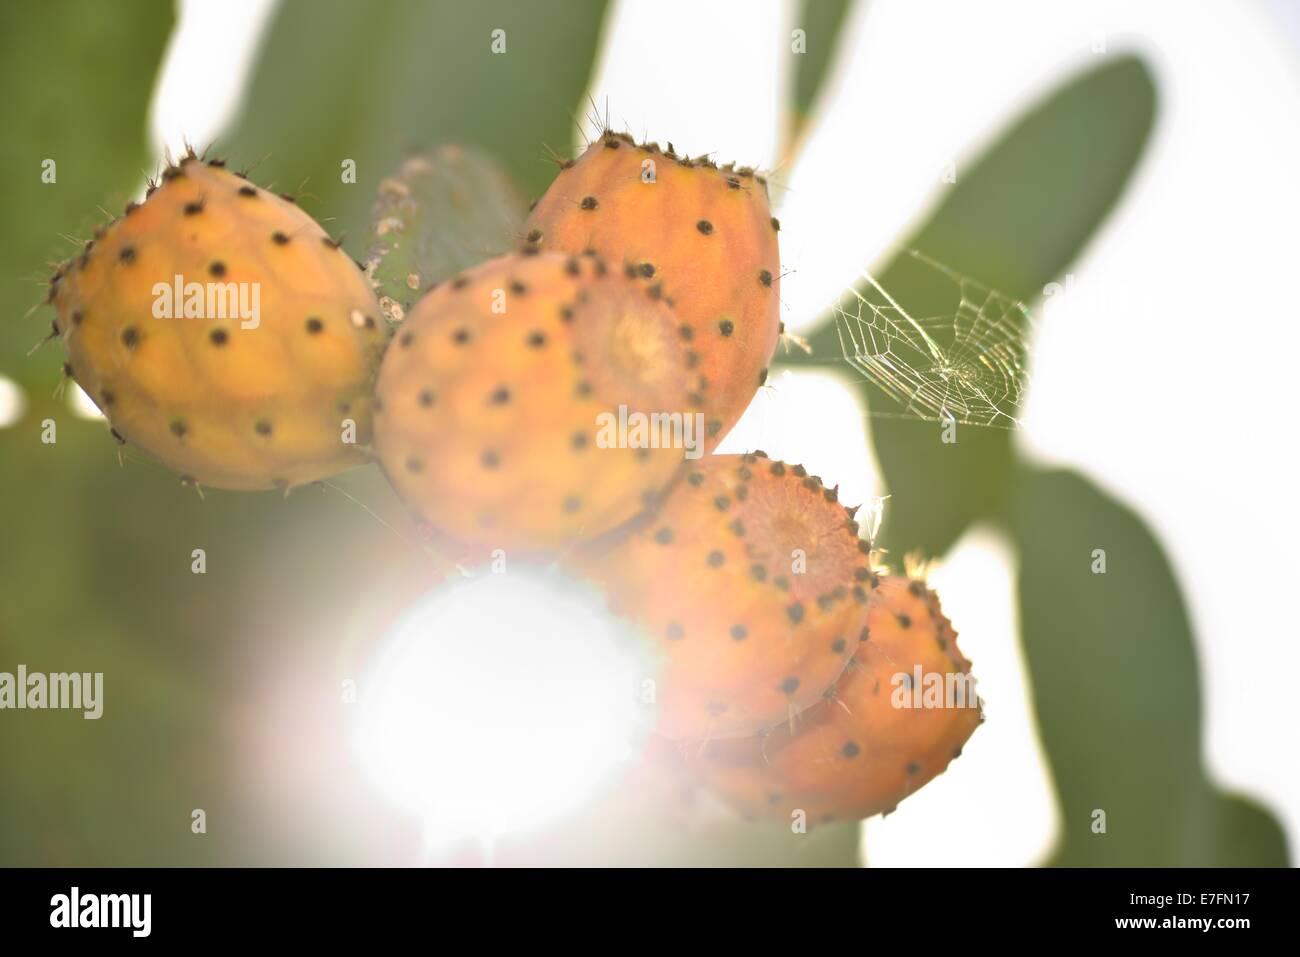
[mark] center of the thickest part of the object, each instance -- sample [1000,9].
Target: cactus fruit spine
[877,737]
[236,402]
[752,583]
[704,233]
[493,392]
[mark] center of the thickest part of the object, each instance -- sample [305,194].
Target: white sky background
[1185,290]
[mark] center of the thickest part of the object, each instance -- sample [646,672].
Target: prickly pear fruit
[705,233]
[877,737]
[753,584]
[496,395]
[442,212]
[274,395]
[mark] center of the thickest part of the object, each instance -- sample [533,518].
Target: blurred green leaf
[376,82]
[80,101]
[821,21]
[1015,218]
[1116,688]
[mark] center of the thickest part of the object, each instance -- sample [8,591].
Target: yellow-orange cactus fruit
[900,714]
[222,331]
[704,233]
[498,394]
[752,584]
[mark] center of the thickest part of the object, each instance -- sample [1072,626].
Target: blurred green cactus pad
[443,211]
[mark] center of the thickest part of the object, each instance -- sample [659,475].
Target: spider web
[968,364]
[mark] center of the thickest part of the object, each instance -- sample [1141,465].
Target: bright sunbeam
[499,704]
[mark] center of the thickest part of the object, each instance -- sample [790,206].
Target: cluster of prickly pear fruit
[494,389]
[645,286]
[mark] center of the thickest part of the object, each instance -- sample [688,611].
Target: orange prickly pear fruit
[705,234]
[221,330]
[499,396]
[899,715]
[752,583]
